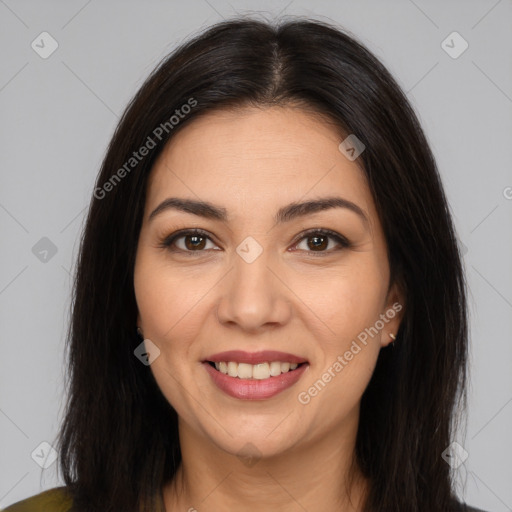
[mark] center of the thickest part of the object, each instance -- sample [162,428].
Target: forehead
[257,158]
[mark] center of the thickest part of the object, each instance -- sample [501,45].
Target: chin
[253,435]
[250,448]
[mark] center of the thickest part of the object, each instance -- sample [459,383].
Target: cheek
[169,305]
[168,300]
[345,299]
[346,361]
[349,302]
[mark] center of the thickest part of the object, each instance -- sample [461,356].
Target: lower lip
[254,389]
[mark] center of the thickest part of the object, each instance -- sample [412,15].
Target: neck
[320,475]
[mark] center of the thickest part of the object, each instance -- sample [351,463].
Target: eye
[318,241]
[188,241]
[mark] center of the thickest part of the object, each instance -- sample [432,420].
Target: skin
[293,298]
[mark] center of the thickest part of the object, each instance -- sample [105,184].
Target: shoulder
[52,500]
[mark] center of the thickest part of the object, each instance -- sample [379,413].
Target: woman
[269,308]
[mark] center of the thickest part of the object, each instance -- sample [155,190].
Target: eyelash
[168,241]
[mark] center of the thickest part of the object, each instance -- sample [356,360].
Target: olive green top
[53,500]
[57,500]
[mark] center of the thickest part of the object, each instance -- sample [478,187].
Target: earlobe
[138,326]
[394,313]
[387,339]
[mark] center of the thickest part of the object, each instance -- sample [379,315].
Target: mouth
[254,376]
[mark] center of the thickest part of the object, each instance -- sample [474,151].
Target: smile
[254,376]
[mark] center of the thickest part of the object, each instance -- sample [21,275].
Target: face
[292,302]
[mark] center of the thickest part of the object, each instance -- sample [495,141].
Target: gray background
[59,113]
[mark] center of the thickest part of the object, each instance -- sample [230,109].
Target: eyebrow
[285,214]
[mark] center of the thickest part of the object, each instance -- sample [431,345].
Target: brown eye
[318,242]
[193,242]
[322,241]
[188,242]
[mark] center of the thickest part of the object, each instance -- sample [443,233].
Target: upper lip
[263,356]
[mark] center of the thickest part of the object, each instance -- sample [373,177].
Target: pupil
[317,245]
[196,243]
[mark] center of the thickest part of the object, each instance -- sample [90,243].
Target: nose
[254,296]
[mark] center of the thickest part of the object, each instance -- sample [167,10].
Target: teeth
[275,368]
[254,371]
[232,369]
[261,371]
[244,371]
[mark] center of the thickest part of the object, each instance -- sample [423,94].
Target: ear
[392,314]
